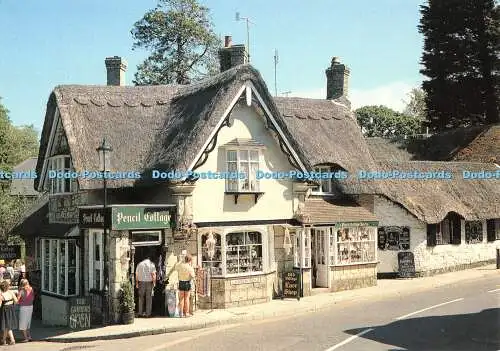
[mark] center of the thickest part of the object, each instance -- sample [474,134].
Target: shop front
[133,232]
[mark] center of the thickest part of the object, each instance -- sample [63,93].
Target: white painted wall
[54,311]
[210,204]
[427,258]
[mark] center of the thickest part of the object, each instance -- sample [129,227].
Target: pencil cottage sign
[139,217]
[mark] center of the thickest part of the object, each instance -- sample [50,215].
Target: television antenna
[286,93]
[248,22]
[276,60]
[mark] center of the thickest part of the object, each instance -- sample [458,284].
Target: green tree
[183,45]
[16,145]
[415,105]
[460,55]
[381,121]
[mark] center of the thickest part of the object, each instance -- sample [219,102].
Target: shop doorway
[149,243]
[320,265]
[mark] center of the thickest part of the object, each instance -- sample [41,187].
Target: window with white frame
[244,252]
[325,185]
[146,238]
[96,260]
[302,248]
[58,165]
[244,161]
[236,253]
[60,266]
[355,245]
[215,262]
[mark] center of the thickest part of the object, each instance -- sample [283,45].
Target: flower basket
[127,304]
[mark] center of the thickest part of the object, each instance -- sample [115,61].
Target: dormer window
[61,180]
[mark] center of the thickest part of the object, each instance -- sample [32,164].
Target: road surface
[461,316]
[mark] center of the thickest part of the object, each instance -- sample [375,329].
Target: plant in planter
[127,303]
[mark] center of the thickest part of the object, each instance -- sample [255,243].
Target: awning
[320,210]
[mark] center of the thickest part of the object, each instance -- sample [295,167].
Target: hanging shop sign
[79,312]
[291,285]
[406,264]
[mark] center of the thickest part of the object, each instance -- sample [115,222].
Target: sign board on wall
[139,217]
[127,217]
[393,238]
[10,252]
[79,312]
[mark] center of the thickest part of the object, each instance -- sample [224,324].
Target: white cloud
[390,95]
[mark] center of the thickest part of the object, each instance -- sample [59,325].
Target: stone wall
[119,261]
[64,208]
[239,291]
[353,276]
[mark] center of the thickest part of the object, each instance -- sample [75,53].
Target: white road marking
[428,308]
[348,340]
[494,290]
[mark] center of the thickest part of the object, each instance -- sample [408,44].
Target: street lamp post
[104,150]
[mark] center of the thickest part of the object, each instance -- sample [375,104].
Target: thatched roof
[431,200]
[327,131]
[322,210]
[164,127]
[472,144]
[128,116]
[194,113]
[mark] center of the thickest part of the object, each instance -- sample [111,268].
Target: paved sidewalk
[275,308]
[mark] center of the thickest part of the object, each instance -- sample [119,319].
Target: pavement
[274,309]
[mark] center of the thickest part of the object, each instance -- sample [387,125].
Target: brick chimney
[232,55]
[115,67]
[337,80]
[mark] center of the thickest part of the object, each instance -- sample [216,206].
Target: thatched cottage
[262,226]
[447,224]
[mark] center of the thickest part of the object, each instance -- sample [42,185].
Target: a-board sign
[79,312]
[406,264]
[10,252]
[291,285]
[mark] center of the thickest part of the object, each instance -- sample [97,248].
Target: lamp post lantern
[104,151]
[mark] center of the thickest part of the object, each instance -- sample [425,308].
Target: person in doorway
[186,274]
[26,297]
[8,318]
[145,280]
[10,270]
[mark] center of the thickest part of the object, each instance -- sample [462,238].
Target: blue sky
[46,43]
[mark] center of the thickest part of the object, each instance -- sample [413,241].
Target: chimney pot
[232,55]
[228,41]
[115,68]
[337,79]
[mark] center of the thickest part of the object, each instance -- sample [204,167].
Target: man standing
[145,279]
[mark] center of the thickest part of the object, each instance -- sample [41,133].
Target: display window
[60,266]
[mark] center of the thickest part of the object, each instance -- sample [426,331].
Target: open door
[321,250]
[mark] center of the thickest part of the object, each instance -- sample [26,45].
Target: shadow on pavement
[39,331]
[462,332]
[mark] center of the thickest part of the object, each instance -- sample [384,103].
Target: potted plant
[127,303]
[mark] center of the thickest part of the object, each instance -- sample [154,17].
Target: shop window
[246,162]
[302,248]
[96,260]
[59,184]
[356,245]
[60,266]
[215,262]
[493,229]
[243,252]
[473,232]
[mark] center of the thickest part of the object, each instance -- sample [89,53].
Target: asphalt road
[462,316]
